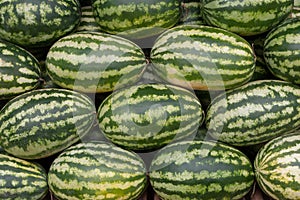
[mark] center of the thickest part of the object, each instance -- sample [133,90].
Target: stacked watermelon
[137,99]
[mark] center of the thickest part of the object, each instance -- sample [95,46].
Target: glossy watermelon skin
[246,115]
[282,50]
[146,117]
[21,179]
[246,17]
[97,170]
[201,57]
[277,168]
[136,19]
[38,23]
[43,122]
[200,170]
[19,70]
[94,62]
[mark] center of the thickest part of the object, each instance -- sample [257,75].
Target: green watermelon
[94,62]
[195,170]
[277,167]
[37,23]
[21,179]
[136,18]
[254,113]
[19,70]
[282,50]
[40,123]
[148,116]
[246,17]
[203,58]
[97,170]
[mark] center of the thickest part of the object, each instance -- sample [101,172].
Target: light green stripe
[103,154]
[104,60]
[199,31]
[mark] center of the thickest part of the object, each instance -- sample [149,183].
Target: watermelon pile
[148,99]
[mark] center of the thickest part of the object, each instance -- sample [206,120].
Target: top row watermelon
[40,23]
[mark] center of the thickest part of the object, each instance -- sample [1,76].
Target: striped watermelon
[136,18]
[37,23]
[203,58]
[246,17]
[21,179]
[148,116]
[19,70]
[282,50]
[43,122]
[296,9]
[277,167]
[196,170]
[94,62]
[97,170]
[254,113]
[87,20]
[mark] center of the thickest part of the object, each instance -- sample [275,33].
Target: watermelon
[277,167]
[296,9]
[43,122]
[19,70]
[148,116]
[202,57]
[87,20]
[282,50]
[254,113]
[37,23]
[21,179]
[94,62]
[97,170]
[246,17]
[136,18]
[196,170]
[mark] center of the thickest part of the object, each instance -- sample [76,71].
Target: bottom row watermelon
[181,170]
[277,167]
[97,171]
[201,170]
[21,179]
